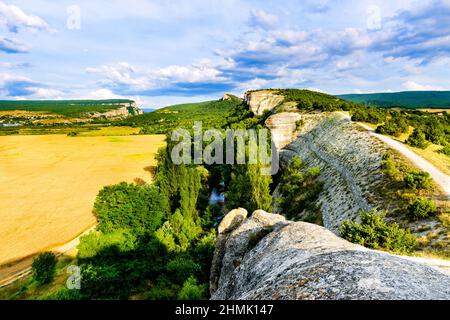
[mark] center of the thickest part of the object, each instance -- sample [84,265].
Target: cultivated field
[48,185]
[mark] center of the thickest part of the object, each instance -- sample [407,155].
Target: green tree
[417,139]
[395,126]
[127,206]
[44,267]
[249,188]
[299,191]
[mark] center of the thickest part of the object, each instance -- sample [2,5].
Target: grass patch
[110,131]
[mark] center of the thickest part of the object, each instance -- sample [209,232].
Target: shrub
[192,291]
[374,232]
[104,281]
[445,150]
[66,294]
[72,134]
[388,165]
[314,172]
[299,124]
[417,180]
[182,267]
[43,267]
[417,139]
[394,126]
[368,114]
[164,290]
[421,208]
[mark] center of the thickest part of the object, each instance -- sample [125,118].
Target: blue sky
[163,52]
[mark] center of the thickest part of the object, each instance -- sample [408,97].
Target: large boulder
[233,219]
[267,257]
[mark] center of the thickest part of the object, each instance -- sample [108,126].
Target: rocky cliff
[283,127]
[266,257]
[126,110]
[349,160]
[262,100]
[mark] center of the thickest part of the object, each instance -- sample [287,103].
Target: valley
[358,184]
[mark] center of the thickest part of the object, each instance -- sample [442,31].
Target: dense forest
[308,100]
[406,99]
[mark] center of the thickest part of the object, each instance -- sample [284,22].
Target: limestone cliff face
[125,110]
[267,257]
[349,160]
[262,100]
[283,127]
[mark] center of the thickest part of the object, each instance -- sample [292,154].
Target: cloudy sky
[161,52]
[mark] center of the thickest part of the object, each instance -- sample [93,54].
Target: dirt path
[437,175]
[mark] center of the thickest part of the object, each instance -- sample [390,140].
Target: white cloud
[101,94]
[192,73]
[46,93]
[138,79]
[13,18]
[11,65]
[13,45]
[6,77]
[262,19]
[412,85]
[121,74]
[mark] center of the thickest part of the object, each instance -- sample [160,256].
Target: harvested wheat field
[48,185]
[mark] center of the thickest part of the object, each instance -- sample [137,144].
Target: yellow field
[48,185]
[434,110]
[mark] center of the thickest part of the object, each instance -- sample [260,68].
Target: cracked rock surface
[268,257]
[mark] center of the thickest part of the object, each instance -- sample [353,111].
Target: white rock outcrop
[262,100]
[267,257]
[126,110]
[283,128]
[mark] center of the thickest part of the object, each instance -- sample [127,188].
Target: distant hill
[211,113]
[406,99]
[70,108]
